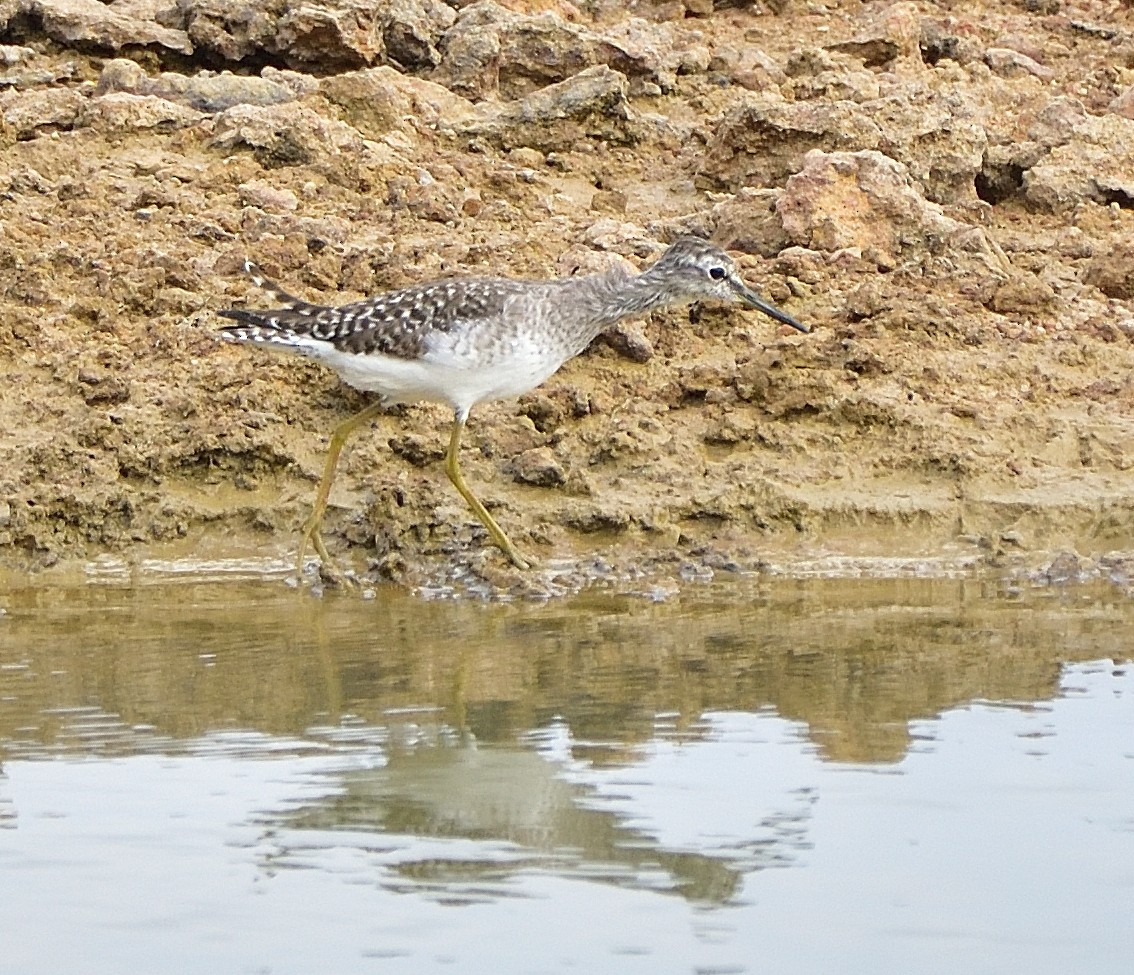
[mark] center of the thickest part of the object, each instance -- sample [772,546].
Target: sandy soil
[966,393]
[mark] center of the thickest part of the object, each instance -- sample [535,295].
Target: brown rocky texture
[943,193]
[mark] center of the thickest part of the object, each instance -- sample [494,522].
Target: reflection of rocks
[853,661]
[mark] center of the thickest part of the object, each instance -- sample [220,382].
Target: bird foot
[522,562]
[329,571]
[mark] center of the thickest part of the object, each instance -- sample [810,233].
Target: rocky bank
[943,190]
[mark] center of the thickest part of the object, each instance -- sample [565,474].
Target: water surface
[815,776]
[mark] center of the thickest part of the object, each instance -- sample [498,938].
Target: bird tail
[276,326]
[288,300]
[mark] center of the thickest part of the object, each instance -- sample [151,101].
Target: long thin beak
[753,300]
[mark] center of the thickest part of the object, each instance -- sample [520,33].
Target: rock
[98,386]
[727,430]
[938,43]
[764,139]
[937,135]
[89,23]
[538,466]
[491,51]
[204,92]
[745,222]
[286,135]
[1012,64]
[412,30]
[817,74]
[888,39]
[338,34]
[327,34]
[1113,272]
[426,198]
[120,110]
[1064,568]
[1096,164]
[1002,172]
[29,113]
[629,342]
[591,105]
[749,67]
[260,194]
[418,450]
[376,100]
[621,237]
[1123,104]
[590,518]
[1023,294]
[1055,123]
[609,201]
[583,260]
[12,55]
[860,200]
[232,29]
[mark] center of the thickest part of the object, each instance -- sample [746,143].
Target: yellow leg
[453,469]
[311,527]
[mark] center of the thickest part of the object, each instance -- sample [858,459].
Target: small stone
[1023,294]
[1124,104]
[99,387]
[416,449]
[611,201]
[1012,64]
[11,54]
[527,158]
[627,341]
[538,466]
[1112,272]
[258,193]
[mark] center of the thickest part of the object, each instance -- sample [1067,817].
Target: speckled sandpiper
[466,340]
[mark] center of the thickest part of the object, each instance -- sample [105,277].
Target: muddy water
[814,776]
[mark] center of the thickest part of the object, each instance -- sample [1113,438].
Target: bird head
[693,268]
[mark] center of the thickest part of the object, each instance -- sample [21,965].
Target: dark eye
[717,273]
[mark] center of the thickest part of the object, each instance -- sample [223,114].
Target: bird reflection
[523,814]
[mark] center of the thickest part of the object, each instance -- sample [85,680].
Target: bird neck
[614,295]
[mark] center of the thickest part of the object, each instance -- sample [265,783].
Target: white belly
[441,379]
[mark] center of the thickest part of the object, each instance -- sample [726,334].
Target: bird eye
[717,273]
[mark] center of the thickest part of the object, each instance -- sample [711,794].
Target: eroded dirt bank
[945,191]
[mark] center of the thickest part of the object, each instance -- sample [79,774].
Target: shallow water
[817,776]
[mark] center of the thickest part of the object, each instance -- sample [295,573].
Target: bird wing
[406,323]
